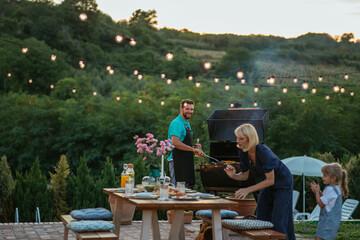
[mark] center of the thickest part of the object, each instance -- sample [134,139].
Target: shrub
[6,191]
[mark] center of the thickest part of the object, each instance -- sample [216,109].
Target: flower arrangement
[146,146]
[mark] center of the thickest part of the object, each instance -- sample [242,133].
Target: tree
[107,180]
[347,37]
[353,170]
[6,191]
[58,181]
[144,18]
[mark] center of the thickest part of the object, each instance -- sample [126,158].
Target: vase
[154,172]
[188,216]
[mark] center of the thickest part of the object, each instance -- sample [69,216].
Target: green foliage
[107,180]
[348,230]
[58,182]
[31,191]
[353,169]
[6,191]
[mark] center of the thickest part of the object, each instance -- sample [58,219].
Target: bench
[259,234]
[106,235]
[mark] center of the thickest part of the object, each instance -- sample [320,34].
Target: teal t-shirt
[177,128]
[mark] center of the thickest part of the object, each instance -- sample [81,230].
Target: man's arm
[181,146]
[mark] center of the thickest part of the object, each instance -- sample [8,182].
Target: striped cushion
[246,224]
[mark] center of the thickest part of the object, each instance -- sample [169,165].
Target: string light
[140,100]
[52,86]
[207,65]
[140,76]
[256,89]
[227,87]
[231,104]
[327,97]
[255,104]
[94,93]
[351,93]
[169,56]
[305,85]
[320,78]
[313,90]
[336,88]
[279,102]
[216,80]
[119,38]
[24,50]
[9,74]
[30,80]
[83,17]
[284,90]
[208,104]
[108,68]
[118,98]
[136,72]
[190,77]
[132,42]
[111,71]
[239,74]
[162,75]
[342,89]
[295,80]
[53,57]
[271,80]
[303,100]
[81,64]
[74,90]
[197,84]
[243,81]
[168,81]
[162,103]
[346,76]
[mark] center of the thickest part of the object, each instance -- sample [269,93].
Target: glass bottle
[197,146]
[124,175]
[131,173]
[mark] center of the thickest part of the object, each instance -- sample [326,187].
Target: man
[181,159]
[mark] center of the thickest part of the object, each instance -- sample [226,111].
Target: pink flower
[144,158]
[136,137]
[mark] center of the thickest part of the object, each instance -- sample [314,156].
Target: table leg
[177,226]
[146,224]
[155,225]
[117,216]
[216,223]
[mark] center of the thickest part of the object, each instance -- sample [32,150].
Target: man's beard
[186,116]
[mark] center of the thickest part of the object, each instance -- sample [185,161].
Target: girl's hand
[242,193]
[230,171]
[315,187]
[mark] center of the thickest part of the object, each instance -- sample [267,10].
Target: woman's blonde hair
[247,130]
[335,170]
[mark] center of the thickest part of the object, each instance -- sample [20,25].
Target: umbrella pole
[304,192]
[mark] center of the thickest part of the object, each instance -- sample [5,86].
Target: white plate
[185,198]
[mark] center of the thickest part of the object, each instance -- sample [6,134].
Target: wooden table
[149,209]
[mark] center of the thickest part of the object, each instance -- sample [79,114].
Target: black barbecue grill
[221,126]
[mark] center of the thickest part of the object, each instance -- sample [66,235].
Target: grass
[348,230]
[209,55]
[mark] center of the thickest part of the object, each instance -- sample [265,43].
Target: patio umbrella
[304,166]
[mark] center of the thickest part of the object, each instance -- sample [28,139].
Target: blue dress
[274,202]
[329,222]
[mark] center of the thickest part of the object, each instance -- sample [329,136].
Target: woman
[275,199]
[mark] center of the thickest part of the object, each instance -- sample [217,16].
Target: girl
[330,200]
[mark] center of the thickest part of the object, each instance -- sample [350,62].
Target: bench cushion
[90,226]
[246,224]
[224,213]
[91,214]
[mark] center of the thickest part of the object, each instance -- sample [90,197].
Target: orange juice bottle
[124,175]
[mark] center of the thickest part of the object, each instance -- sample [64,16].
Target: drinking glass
[181,187]
[129,186]
[164,188]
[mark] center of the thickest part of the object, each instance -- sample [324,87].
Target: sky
[286,18]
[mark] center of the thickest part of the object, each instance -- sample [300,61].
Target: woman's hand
[230,171]
[242,193]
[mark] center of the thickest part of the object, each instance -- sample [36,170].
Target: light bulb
[227,87]
[239,74]
[279,102]
[108,68]
[295,80]
[351,93]
[162,75]
[94,93]
[169,56]
[136,72]
[198,84]
[313,90]
[256,89]
[83,17]
[118,98]
[271,80]
[231,104]
[30,80]
[9,74]
[140,76]
[342,89]
[336,88]
[162,102]
[74,90]
[52,86]
[111,71]
[268,80]
[81,64]
[303,100]
[255,104]
[119,38]
[140,100]
[305,85]
[346,76]
[243,81]
[320,78]
[216,80]
[327,97]
[25,50]
[284,90]
[53,57]
[168,81]
[208,104]
[190,78]
[207,65]
[132,42]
